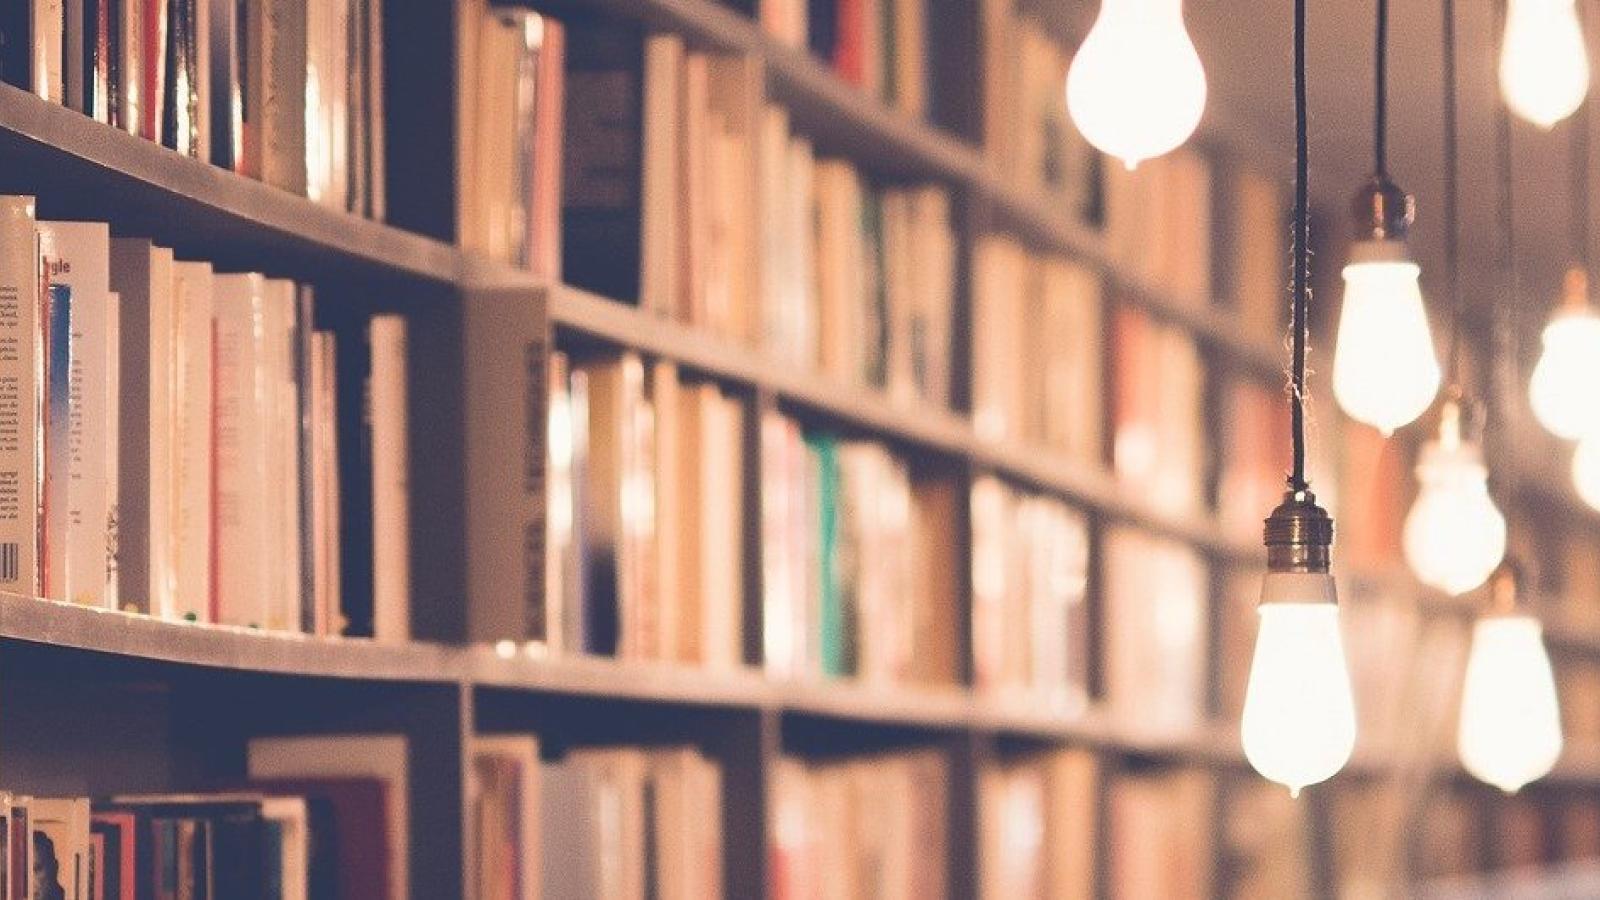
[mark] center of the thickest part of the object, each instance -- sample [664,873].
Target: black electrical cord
[1507,380]
[1302,234]
[1451,196]
[1380,103]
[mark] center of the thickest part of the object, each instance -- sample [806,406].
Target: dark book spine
[353,367]
[16,43]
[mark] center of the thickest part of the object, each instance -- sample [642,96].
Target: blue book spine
[57,439]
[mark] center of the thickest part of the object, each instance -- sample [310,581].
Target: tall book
[21,394]
[391,495]
[190,438]
[242,525]
[56,438]
[77,255]
[142,276]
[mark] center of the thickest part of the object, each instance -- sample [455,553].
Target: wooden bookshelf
[441,694]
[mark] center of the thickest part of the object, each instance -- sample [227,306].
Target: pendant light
[1509,732]
[1384,370]
[1544,64]
[1561,390]
[1454,535]
[1136,88]
[1299,724]
[1510,727]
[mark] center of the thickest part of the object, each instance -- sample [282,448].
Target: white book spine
[78,255]
[281,417]
[391,512]
[241,452]
[191,444]
[19,397]
[112,399]
[161,375]
[49,19]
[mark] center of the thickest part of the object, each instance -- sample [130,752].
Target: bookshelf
[192,695]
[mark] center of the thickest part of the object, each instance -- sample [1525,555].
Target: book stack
[508,182]
[623,822]
[866,827]
[1039,827]
[286,91]
[1154,632]
[645,494]
[879,46]
[1158,225]
[855,573]
[1157,443]
[1027,136]
[1160,829]
[1037,326]
[295,831]
[1030,562]
[190,450]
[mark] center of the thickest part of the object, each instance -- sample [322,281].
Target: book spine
[47,39]
[19,396]
[241,457]
[281,418]
[111,429]
[391,508]
[305,422]
[57,429]
[284,97]
[226,89]
[192,446]
[152,38]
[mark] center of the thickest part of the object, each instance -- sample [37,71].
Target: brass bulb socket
[1382,211]
[1299,535]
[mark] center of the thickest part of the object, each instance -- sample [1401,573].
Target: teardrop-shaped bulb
[1385,372]
[1136,88]
[1561,390]
[1510,729]
[1299,723]
[1454,535]
[1544,65]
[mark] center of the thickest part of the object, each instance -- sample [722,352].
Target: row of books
[1037,334]
[623,823]
[879,46]
[509,111]
[1039,825]
[1030,578]
[857,575]
[286,91]
[645,499]
[304,824]
[874,826]
[181,443]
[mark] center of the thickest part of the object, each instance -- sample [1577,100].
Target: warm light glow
[1586,470]
[1454,535]
[1544,66]
[1510,732]
[1136,88]
[1299,724]
[1384,369]
[1564,380]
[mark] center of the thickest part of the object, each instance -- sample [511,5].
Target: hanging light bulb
[1299,724]
[1454,534]
[1544,65]
[1586,470]
[1384,369]
[1510,729]
[1136,88]
[1561,390]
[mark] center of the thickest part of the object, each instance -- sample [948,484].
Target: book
[503,799]
[1159,834]
[1155,636]
[56,439]
[1156,413]
[391,509]
[60,838]
[21,397]
[142,276]
[243,511]
[190,440]
[76,255]
[378,758]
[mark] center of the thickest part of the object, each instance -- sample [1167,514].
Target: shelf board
[141,637]
[80,168]
[613,679]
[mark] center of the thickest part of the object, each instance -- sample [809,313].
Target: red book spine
[848,49]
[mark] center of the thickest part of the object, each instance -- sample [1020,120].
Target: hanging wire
[1508,376]
[1451,197]
[1302,235]
[1380,102]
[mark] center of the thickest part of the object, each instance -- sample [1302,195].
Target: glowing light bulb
[1586,470]
[1544,66]
[1510,730]
[1136,88]
[1299,724]
[1454,534]
[1384,370]
[1561,390]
